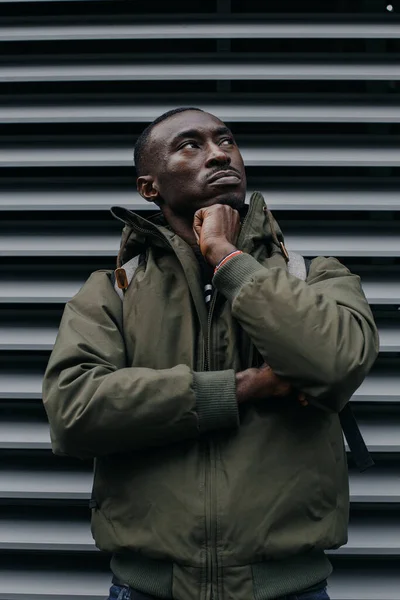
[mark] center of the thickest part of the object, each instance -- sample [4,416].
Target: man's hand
[256,384]
[216,229]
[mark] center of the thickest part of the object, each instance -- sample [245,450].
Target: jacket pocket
[326,468]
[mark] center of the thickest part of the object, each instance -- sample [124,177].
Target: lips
[227,177]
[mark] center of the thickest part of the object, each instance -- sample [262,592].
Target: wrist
[245,385]
[218,253]
[240,390]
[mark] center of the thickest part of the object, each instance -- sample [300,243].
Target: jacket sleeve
[319,334]
[97,404]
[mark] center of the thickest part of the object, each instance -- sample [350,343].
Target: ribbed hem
[277,578]
[149,576]
[216,399]
[234,274]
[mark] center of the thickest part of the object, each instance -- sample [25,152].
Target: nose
[217,156]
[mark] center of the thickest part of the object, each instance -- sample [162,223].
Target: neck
[181,225]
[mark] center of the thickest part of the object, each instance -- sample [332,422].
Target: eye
[227,142]
[189,145]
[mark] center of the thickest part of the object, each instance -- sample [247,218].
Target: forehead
[203,122]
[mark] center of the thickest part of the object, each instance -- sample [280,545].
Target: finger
[196,235]
[197,224]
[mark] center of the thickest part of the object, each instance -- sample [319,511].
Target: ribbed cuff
[216,399]
[234,274]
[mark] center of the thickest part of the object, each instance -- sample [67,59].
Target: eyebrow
[195,133]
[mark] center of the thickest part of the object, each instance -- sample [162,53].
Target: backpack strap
[299,267]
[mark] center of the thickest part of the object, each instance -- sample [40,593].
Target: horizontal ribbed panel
[382,290]
[165,70]
[27,337]
[61,585]
[311,152]
[380,435]
[367,537]
[309,243]
[301,200]
[201,30]
[378,387]
[269,109]
[378,486]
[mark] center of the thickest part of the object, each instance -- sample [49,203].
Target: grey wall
[313,99]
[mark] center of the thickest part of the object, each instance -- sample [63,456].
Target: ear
[148,189]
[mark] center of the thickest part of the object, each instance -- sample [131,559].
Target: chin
[235,201]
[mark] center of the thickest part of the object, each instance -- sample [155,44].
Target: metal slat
[283,111]
[339,244]
[293,155]
[38,291]
[39,535]
[367,536]
[379,485]
[31,337]
[372,536]
[382,291]
[200,30]
[21,386]
[31,485]
[56,584]
[377,387]
[24,435]
[380,435]
[301,200]
[211,70]
[359,243]
[364,584]
[27,337]
[63,585]
[389,337]
[53,584]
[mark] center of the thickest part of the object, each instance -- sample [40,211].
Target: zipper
[210,474]
[210,454]
[211,552]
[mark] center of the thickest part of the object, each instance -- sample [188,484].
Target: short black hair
[139,154]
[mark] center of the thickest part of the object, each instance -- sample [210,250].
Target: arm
[98,405]
[318,335]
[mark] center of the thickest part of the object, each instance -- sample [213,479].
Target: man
[220,470]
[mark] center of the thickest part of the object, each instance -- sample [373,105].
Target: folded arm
[96,404]
[318,335]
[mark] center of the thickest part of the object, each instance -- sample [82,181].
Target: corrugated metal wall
[312,92]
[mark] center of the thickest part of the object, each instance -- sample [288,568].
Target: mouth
[225,177]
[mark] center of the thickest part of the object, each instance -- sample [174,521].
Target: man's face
[195,163]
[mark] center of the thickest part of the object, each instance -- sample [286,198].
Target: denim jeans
[118,592]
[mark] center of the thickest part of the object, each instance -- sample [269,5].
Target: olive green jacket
[192,494]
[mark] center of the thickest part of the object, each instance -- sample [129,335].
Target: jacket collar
[260,232]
